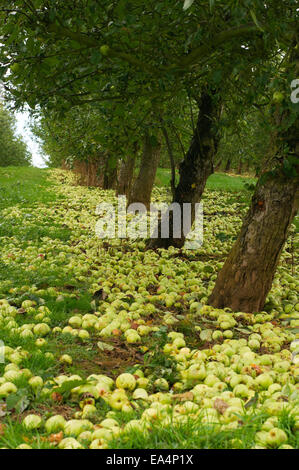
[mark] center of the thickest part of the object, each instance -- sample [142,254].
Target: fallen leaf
[104,346]
[116,332]
[3,410]
[257,368]
[56,438]
[187,396]
[2,429]
[56,397]
[21,310]
[220,405]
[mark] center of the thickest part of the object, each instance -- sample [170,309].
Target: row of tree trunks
[142,187]
[95,172]
[90,173]
[194,170]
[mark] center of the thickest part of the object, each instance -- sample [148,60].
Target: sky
[22,129]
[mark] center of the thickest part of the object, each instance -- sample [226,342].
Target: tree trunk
[110,175]
[91,172]
[195,169]
[126,174]
[227,166]
[246,277]
[171,157]
[218,165]
[143,185]
[240,167]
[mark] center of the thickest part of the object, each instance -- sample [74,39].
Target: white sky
[34,148]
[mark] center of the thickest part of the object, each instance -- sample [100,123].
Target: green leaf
[253,15]
[52,15]
[288,169]
[187,4]
[96,57]
[104,346]
[217,76]
[3,71]
[67,386]
[294,330]
[18,401]
[244,330]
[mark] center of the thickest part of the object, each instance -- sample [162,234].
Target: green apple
[126,381]
[83,334]
[105,50]
[75,321]
[276,437]
[41,329]
[12,375]
[264,381]
[74,427]
[142,382]
[89,411]
[6,389]
[66,359]
[277,97]
[70,443]
[55,424]
[36,382]
[102,433]
[117,399]
[140,394]
[109,423]
[32,422]
[85,437]
[161,384]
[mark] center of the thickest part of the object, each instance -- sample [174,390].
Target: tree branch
[219,39]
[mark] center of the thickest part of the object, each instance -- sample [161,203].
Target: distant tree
[13,150]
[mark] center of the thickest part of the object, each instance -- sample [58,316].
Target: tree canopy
[13,150]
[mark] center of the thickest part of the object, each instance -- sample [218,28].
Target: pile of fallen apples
[241,358]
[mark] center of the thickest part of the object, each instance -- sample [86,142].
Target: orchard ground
[77,312]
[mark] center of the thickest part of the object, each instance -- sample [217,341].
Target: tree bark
[240,167]
[247,275]
[126,174]
[227,166]
[109,175]
[91,172]
[218,165]
[195,169]
[142,188]
[171,158]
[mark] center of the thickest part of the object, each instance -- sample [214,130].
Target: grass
[29,188]
[216,182]
[220,182]
[194,434]
[25,185]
